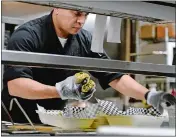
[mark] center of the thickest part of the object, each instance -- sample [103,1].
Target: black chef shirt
[39,36]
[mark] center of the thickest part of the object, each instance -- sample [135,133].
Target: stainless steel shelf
[82,63]
[13,20]
[122,9]
[18,12]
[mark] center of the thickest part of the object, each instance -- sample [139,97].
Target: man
[59,33]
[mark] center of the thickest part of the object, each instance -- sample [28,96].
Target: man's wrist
[151,96]
[58,87]
[59,90]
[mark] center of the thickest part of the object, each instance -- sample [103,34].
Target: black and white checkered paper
[107,108]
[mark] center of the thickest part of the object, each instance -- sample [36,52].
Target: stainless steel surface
[22,110]
[25,132]
[77,134]
[135,131]
[7,112]
[122,9]
[13,20]
[82,63]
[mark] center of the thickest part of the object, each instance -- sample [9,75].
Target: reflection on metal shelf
[83,63]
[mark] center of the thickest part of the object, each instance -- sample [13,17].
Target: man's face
[70,21]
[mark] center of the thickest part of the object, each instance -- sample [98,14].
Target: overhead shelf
[142,11]
[13,20]
[24,10]
[81,63]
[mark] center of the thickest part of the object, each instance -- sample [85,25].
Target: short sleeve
[104,78]
[21,40]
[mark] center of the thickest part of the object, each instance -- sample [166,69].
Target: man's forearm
[30,89]
[129,87]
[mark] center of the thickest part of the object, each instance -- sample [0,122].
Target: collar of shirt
[62,41]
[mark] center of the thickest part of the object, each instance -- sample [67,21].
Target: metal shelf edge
[82,63]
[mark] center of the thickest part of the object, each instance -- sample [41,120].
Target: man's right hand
[157,99]
[77,87]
